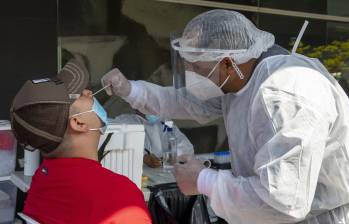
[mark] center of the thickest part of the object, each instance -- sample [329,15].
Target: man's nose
[87,92]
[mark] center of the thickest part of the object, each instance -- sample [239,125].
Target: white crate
[8,154]
[125,151]
[7,202]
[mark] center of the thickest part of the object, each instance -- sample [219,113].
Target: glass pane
[134,37]
[286,29]
[327,41]
[313,6]
[338,7]
[240,2]
[335,54]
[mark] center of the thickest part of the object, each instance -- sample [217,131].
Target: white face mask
[203,87]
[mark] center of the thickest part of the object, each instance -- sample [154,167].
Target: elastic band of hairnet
[238,71]
[204,50]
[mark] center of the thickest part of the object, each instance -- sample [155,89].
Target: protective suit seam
[265,106]
[267,111]
[343,147]
[272,122]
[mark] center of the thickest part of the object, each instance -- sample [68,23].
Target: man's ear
[77,124]
[226,68]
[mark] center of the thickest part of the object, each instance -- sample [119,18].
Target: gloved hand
[120,86]
[187,172]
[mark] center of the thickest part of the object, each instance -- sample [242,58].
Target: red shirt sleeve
[129,215]
[124,204]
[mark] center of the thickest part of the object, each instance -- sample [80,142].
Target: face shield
[209,38]
[197,70]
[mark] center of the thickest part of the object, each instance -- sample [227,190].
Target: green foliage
[334,55]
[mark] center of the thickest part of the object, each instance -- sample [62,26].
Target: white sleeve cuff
[136,90]
[207,178]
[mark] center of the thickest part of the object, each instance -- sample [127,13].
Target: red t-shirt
[76,190]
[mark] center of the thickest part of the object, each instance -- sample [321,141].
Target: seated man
[155,139]
[64,121]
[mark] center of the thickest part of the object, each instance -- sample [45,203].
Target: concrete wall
[27,45]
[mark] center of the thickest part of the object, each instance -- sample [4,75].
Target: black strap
[101,154]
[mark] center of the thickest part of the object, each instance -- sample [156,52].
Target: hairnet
[216,34]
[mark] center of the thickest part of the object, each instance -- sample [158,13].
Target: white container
[31,162]
[4,200]
[8,146]
[7,202]
[125,150]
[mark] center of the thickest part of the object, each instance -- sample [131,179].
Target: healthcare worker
[155,137]
[286,118]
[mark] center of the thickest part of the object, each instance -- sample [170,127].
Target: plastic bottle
[169,151]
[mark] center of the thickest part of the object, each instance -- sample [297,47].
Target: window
[134,36]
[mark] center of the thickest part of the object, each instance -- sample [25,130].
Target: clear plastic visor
[202,61]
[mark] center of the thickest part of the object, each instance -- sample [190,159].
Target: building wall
[28,45]
[140,31]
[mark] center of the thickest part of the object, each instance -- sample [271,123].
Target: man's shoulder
[109,176]
[117,188]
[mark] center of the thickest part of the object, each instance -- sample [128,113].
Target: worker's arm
[290,135]
[125,205]
[165,102]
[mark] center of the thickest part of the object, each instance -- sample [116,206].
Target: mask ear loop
[236,68]
[211,72]
[225,81]
[74,115]
[101,129]
[214,68]
[238,71]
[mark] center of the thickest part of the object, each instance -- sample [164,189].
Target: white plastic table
[155,176]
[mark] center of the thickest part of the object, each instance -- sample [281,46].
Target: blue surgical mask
[99,110]
[101,113]
[152,119]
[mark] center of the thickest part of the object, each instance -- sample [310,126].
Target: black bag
[168,205]
[101,149]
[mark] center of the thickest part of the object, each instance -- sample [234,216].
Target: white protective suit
[288,139]
[154,135]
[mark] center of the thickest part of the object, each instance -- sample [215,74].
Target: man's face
[85,103]
[207,69]
[202,68]
[217,71]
